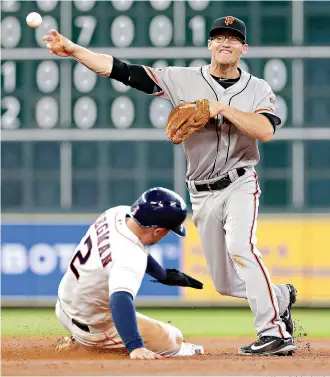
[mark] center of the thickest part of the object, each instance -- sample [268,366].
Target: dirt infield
[36,357]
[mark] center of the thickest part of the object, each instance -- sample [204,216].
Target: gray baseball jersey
[218,147]
[226,219]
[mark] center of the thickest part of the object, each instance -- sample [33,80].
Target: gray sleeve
[166,80]
[265,101]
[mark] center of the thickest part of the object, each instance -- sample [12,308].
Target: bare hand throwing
[57,44]
[216,108]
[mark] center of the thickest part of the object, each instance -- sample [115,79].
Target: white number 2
[9,119]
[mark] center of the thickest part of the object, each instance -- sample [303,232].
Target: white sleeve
[265,101]
[127,270]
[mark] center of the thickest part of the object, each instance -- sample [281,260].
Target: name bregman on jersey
[102,231]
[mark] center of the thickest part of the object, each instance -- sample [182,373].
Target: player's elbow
[266,132]
[265,129]
[266,136]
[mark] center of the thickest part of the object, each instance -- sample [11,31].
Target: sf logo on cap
[229,20]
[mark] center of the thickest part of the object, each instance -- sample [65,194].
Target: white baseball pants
[157,336]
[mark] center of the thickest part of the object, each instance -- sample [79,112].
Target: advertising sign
[295,251]
[35,257]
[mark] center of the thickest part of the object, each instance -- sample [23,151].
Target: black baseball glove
[178,278]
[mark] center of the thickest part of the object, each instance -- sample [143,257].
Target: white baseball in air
[33,19]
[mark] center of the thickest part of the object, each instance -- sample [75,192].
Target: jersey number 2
[82,259]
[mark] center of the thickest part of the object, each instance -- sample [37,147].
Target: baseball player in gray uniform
[221,178]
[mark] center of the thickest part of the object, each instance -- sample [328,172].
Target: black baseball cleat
[269,345]
[286,317]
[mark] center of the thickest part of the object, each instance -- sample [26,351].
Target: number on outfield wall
[160,31]
[47,76]
[47,112]
[12,108]
[10,32]
[122,31]
[122,112]
[87,24]
[197,26]
[8,71]
[85,112]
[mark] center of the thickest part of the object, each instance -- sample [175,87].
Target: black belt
[220,184]
[82,326]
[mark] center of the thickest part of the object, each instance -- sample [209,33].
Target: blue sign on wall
[35,257]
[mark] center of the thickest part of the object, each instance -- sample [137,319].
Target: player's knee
[221,286]
[224,291]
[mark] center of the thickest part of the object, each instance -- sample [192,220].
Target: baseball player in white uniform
[221,157]
[96,295]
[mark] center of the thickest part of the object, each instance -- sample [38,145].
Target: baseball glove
[186,119]
[178,278]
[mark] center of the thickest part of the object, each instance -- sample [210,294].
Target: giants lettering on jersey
[102,232]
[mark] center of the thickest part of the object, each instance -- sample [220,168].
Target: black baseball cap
[229,23]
